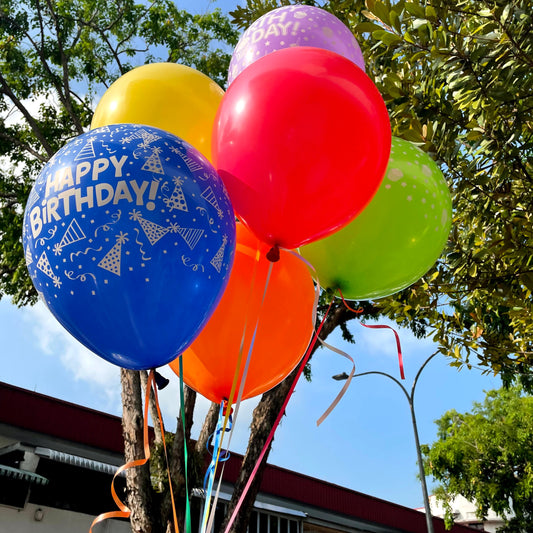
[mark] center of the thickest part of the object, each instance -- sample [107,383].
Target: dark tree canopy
[457,79]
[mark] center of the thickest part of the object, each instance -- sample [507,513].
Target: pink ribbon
[398,345]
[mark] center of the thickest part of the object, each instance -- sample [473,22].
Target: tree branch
[6,89]
[64,92]
[26,147]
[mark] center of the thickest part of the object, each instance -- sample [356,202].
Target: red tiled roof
[44,414]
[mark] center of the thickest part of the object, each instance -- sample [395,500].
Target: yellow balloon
[173,97]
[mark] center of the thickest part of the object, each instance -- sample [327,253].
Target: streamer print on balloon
[301,141]
[296,25]
[284,325]
[129,238]
[396,239]
[173,97]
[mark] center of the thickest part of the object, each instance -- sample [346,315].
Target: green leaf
[367,27]
[395,21]
[386,37]
[527,280]
[430,13]
[407,37]
[485,12]
[381,11]
[415,9]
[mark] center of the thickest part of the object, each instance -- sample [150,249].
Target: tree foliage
[457,80]
[486,456]
[56,58]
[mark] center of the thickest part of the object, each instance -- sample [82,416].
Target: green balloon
[396,239]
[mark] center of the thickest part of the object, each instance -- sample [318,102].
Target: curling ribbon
[124,510]
[278,419]
[174,515]
[252,343]
[344,354]
[337,399]
[344,388]
[357,311]
[398,345]
[341,393]
[221,459]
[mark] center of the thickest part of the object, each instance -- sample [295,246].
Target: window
[264,522]
[260,521]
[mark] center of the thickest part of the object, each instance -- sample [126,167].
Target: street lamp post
[411,400]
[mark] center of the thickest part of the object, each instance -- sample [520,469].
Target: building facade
[464,512]
[57,460]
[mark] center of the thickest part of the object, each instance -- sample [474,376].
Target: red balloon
[301,140]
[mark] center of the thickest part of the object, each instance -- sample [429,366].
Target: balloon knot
[161,381]
[273,254]
[225,408]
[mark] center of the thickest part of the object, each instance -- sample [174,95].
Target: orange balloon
[284,327]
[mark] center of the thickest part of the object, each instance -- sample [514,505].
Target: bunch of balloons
[130,232]
[301,140]
[304,158]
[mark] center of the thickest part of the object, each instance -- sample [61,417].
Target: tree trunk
[264,416]
[141,500]
[209,427]
[140,495]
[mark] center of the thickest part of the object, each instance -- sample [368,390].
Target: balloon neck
[160,381]
[273,254]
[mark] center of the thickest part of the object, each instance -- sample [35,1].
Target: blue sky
[366,444]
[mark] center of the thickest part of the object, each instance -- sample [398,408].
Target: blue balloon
[129,237]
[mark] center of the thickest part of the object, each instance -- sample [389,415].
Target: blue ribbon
[217,456]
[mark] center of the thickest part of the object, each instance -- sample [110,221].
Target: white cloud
[80,362]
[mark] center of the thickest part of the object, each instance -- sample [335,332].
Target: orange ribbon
[124,510]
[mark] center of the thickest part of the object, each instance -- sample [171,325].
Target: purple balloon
[295,25]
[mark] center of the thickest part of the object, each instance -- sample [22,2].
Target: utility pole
[411,400]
